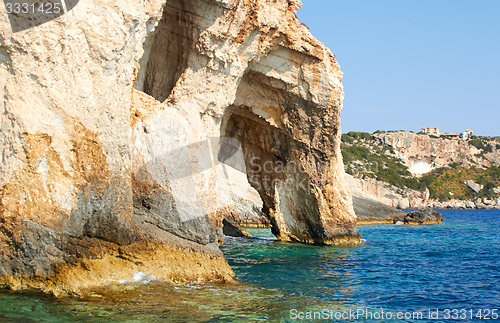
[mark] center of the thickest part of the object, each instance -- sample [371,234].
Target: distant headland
[414,170]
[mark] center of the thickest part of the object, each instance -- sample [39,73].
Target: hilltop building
[466,134]
[435,132]
[452,135]
[469,132]
[432,131]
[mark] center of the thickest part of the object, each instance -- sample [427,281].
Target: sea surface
[430,273]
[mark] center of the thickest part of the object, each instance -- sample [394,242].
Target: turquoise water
[399,269]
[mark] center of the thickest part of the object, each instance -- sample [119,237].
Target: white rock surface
[473,185]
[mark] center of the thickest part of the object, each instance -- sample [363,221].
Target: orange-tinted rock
[107,117]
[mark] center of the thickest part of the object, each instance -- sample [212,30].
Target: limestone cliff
[422,153]
[111,115]
[394,197]
[373,204]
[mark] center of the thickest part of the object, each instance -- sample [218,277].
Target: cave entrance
[266,153]
[277,132]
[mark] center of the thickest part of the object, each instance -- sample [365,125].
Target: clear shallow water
[403,269]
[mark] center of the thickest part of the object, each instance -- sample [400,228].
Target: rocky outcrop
[473,185]
[281,98]
[111,119]
[425,216]
[371,211]
[411,199]
[234,230]
[377,202]
[422,153]
[368,208]
[388,194]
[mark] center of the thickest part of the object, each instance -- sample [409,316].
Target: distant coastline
[405,170]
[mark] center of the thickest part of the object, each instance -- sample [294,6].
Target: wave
[141,278]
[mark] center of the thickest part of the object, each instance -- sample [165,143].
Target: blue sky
[413,64]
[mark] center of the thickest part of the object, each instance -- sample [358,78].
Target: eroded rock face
[99,107]
[371,202]
[421,153]
[281,99]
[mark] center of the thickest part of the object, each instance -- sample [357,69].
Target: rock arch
[297,182]
[274,88]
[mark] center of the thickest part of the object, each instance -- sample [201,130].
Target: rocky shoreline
[479,204]
[411,199]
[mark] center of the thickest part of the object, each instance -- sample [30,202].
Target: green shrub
[478,143]
[347,139]
[376,164]
[360,135]
[443,180]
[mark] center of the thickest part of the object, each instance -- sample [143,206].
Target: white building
[432,131]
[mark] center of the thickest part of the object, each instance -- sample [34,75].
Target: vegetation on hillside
[447,183]
[363,157]
[479,144]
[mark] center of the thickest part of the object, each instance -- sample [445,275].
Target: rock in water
[371,211]
[424,216]
[233,230]
[109,116]
[368,210]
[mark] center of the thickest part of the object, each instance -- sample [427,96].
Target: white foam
[140,277]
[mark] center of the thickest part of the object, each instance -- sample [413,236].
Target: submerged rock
[109,116]
[425,216]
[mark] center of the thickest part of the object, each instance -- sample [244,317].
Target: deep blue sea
[436,273]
